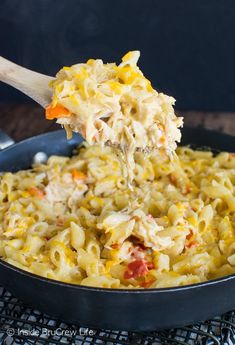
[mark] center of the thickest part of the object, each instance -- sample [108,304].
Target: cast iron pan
[142,310]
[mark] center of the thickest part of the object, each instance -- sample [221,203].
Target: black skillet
[144,310]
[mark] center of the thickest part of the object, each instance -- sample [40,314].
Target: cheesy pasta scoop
[114,104]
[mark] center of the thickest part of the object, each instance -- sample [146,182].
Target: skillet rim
[111,290]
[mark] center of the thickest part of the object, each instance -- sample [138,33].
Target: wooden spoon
[33,84]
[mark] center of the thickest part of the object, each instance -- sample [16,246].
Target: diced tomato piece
[136,269]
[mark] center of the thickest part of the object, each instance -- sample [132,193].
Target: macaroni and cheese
[75,219]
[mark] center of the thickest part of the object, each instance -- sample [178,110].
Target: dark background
[187,46]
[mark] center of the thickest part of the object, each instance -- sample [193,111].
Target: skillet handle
[5,140]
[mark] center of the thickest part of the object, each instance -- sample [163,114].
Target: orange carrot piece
[78,175]
[56,112]
[34,191]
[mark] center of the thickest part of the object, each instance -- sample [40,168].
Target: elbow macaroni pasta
[76,220]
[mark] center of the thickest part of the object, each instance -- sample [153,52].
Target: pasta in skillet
[72,221]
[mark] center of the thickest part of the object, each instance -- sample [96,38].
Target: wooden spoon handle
[33,84]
